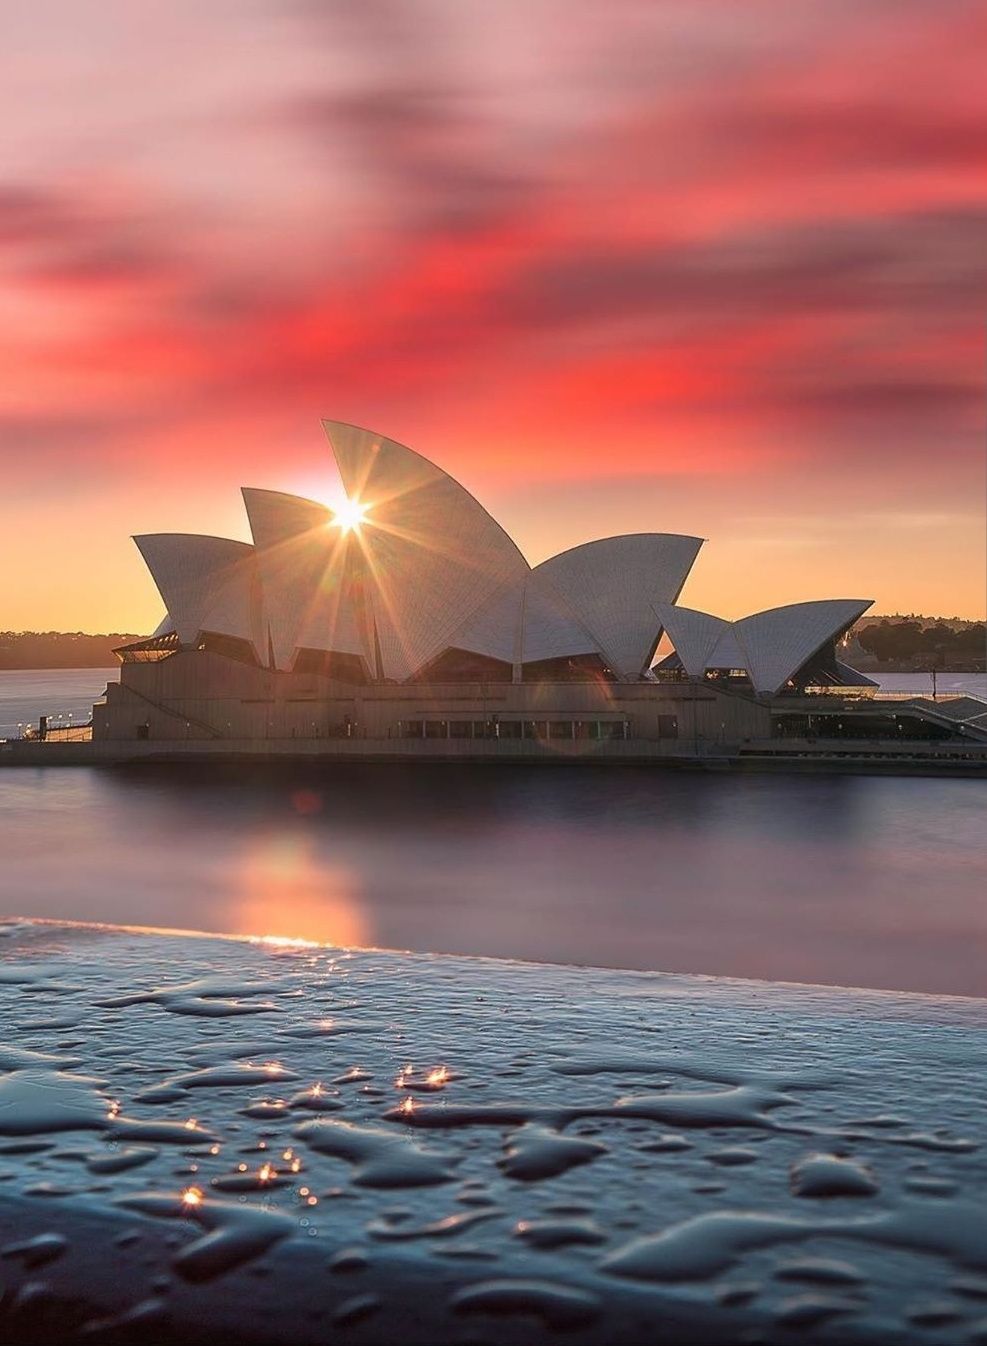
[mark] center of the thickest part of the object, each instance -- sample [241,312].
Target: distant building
[410,613]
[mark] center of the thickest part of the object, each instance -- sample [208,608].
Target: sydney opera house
[409,613]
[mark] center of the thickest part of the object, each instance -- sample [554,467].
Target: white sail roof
[494,628]
[206,583]
[771,645]
[302,561]
[550,629]
[778,641]
[610,586]
[728,652]
[694,634]
[529,621]
[428,570]
[434,555]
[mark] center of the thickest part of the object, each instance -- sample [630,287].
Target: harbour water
[65,694]
[852,880]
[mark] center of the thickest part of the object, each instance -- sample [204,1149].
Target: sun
[349,515]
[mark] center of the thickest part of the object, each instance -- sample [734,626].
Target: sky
[650,265]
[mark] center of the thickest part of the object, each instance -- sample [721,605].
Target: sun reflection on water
[285,894]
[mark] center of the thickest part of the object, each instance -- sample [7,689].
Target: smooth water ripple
[854,880]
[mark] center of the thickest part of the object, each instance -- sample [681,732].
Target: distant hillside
[900,618]
[60,649]
[902,644]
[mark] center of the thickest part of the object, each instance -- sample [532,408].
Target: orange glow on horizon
[769,334]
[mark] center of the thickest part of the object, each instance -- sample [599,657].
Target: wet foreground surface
[204,1140]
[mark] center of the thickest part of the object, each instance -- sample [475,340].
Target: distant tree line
[60,649]
[917,641]
[936,644]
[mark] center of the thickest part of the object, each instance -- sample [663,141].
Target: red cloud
[653,249]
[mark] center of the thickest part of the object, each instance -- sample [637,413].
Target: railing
[69,733]
[950,695]
[54,732]
[829,699]
[887,748]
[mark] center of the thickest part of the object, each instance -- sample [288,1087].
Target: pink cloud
[735,242]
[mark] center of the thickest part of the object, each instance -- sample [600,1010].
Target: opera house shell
[413,582]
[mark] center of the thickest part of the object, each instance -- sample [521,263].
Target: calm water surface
[861,880]
[58,692]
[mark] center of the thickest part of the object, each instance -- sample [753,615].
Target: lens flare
[349,515]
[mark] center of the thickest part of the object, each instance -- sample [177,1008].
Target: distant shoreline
[111,666]
[58,668]
[873,668]
[44,651]
[864,666]
[8,665]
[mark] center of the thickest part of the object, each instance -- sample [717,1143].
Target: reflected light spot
[284,893]
[287,941]
[192,1196]
[306,802]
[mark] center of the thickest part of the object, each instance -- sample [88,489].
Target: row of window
[858,725]
[541,730]
[862,754]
